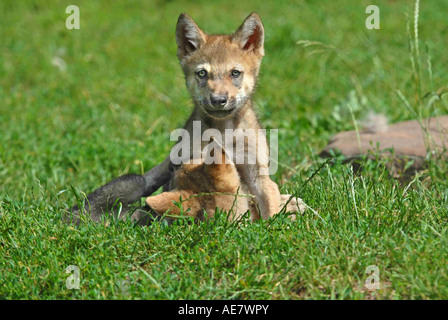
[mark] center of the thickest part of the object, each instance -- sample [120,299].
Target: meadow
[81,107]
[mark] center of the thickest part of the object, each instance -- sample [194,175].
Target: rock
[407,139]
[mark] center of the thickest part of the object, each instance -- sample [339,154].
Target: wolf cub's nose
[218,100]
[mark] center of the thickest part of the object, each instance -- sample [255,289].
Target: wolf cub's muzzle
[220,106]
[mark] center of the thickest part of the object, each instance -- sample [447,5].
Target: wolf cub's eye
[235,73]
[202,74]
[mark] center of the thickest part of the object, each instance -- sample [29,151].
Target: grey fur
[117,196]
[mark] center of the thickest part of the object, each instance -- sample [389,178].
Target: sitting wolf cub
[221,73]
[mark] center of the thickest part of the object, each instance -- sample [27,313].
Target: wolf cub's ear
[163,202]
[189,37]
[250,35]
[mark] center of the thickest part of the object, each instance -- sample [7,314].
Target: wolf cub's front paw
[295,205]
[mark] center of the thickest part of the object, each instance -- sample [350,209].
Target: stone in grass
[405,143]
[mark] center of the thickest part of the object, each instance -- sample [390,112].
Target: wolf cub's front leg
[266,191]
[268,197]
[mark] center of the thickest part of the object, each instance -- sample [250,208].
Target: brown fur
[219,57]
[202,188]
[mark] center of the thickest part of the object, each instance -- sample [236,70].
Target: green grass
[111,111]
